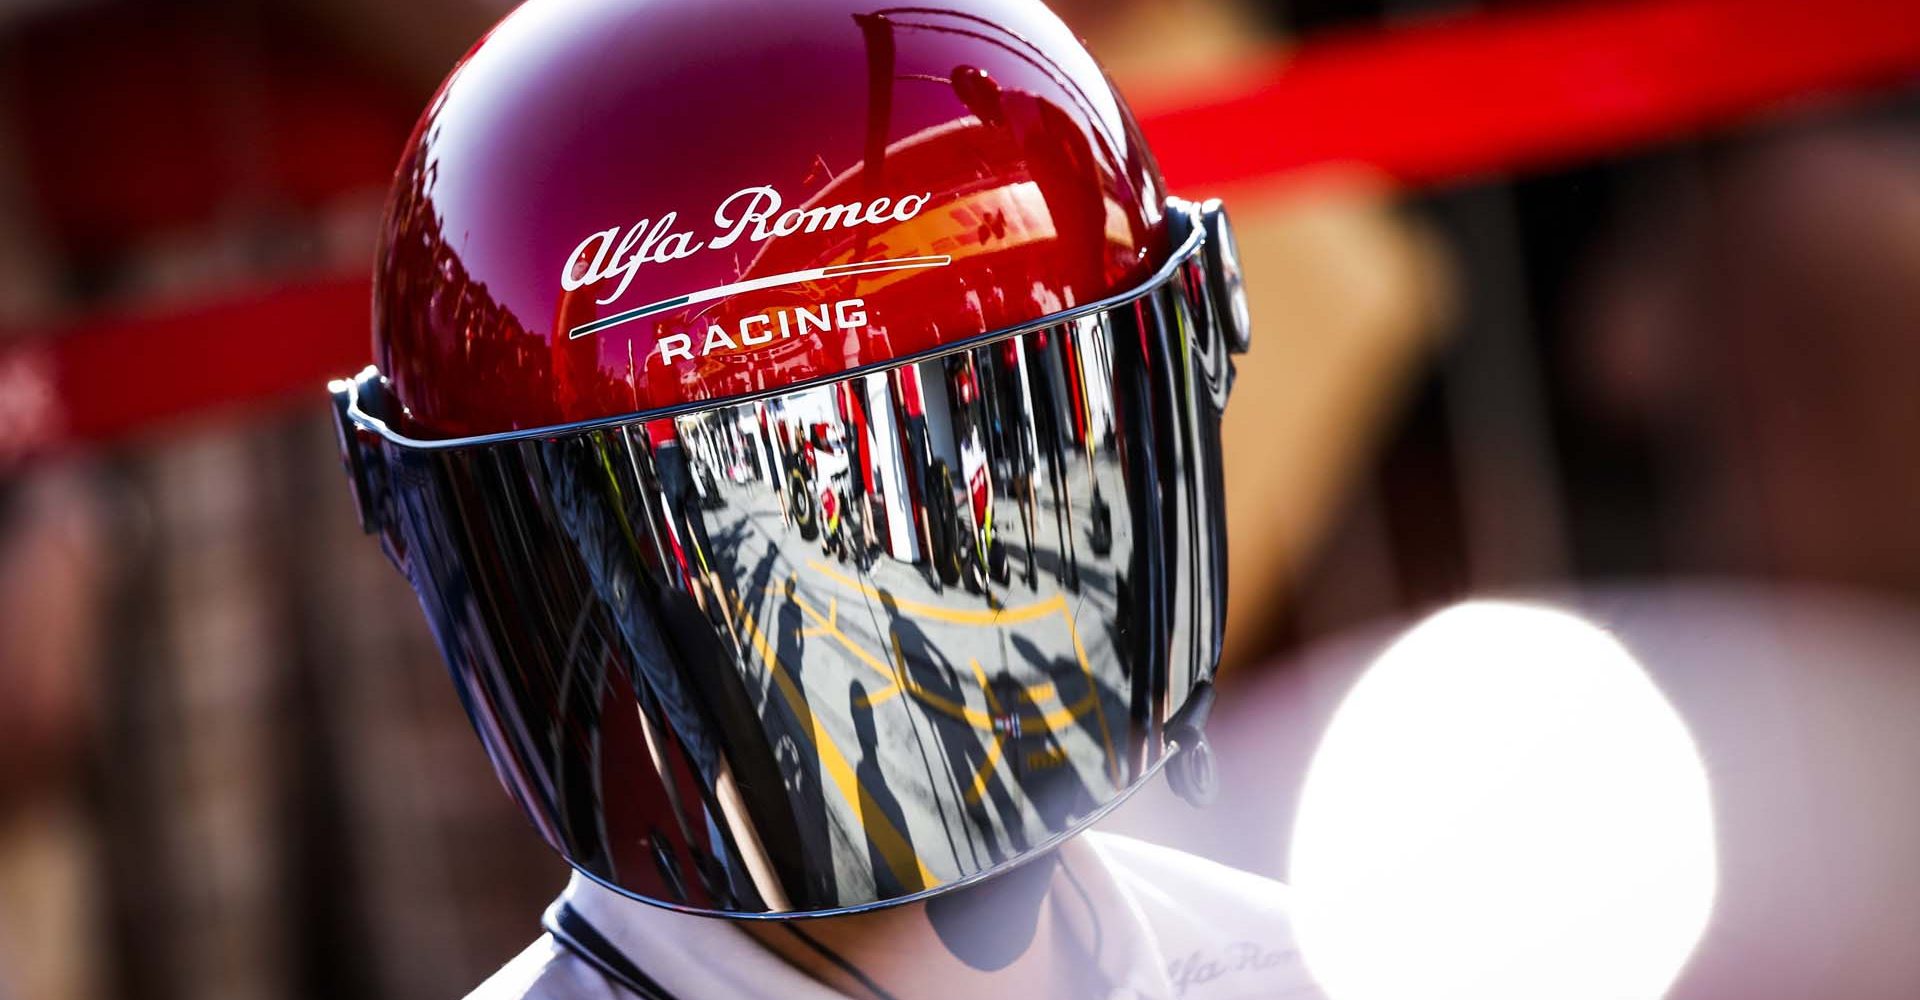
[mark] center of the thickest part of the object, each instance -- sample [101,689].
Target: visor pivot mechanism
[1227,278]
[353,454]
[1192,773]
[1227,328]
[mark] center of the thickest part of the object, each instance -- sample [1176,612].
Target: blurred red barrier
[1495,92]
[1421,104]
[113,376]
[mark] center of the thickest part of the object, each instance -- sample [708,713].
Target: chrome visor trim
[350,388]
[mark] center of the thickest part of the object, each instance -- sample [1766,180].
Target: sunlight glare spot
[1505,806]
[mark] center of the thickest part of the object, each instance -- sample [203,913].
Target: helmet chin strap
[989,925]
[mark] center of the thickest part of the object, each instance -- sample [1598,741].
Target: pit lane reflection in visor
[848,643]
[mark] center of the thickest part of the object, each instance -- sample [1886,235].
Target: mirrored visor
[844,645]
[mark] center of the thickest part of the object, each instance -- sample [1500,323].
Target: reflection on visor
[844,645]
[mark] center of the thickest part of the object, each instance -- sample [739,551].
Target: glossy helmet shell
[620,206]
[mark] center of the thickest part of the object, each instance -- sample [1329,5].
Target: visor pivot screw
[1227,277]
[1192,772]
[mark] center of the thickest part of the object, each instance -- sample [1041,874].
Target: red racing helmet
[640,259]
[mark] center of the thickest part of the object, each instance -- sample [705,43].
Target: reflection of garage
[1003,718]
[1014,730]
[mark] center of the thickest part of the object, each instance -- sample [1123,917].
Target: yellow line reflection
[1054,720]
[832,623]
[908,869]
[954,616]
[1099,711]
[985,774]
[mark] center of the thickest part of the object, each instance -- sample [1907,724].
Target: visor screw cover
[1193,773]
[1227,280]
[362,471]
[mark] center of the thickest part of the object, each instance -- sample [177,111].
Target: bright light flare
[1505,806]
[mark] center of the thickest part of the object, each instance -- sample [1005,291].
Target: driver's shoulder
[1162,877]
[1217,931]
[545,970]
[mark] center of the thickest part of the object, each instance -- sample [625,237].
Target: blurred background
[1614,303]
